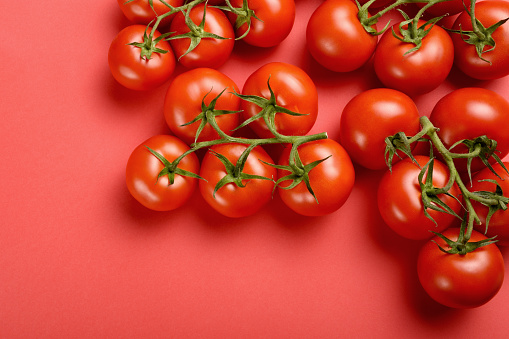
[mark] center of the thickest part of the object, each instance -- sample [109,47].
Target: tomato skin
[143,168]
[460,281]
[133,72]
[230,200]
[418,72]
[293,89]
[336,39]
[210,52]
[499,222]
[450,7]
[276,21]
[183,103]
[140,12]
[466,58]
[369,118]
[399,200]
[468,113]
[332,180]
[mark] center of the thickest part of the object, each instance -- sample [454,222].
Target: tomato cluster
[425,194]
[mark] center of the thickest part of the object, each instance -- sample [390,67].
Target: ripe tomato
[276,18]
[499,221]
[466,58]
[143,168]
[400,204]
[210,52]
[468,113]
[140,12]
[130,69]
[293,89]
[448,8]
[183,103]
[419,71]
[231,200]
[460,281]
[331,181]
[372,116]
[336,39]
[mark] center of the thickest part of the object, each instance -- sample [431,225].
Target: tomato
[331,181]
[183,103]
[143,168]
[420,71]
[293,89]
[140,12]
[466,58]
[276,18]
[369,118]
[400,204]
[448,8]
[210,52]
[460,281]
[468,113]
[231,200]
[336,39]
[130,69]
[499,221]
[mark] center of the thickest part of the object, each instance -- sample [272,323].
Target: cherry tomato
[183,103]
[331,181]
[466,58]
[210,52]
[231,200]
[420,71]
[499,221]
[293,89]
[140,12]
[400,204]
[460,281]
[336,39]
[143,168]
[372,116]
[468,113]
[130,69]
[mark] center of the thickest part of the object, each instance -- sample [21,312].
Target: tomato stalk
[244,15]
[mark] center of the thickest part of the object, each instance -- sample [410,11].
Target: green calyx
[244,15]
[497,196]
[148,46]
[170,168]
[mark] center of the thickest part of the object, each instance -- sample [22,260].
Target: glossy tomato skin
[499,221]
[460,281]
[466,58]
[230,200]
[143,168]
[210,52]
[468,113]
[276,21]
[184,98]
[336,39]
[369,118]
[140,12]
[293,89]
[332,180]
[133,72]
[420,71]
[400,205]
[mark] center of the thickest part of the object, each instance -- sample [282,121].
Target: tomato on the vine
[140,12]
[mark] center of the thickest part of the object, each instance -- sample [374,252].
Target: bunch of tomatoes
[445,179]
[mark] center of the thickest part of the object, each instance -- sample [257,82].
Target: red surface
[79,258]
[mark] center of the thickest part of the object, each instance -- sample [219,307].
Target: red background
[80,258]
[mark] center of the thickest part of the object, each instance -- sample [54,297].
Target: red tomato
[449,7]
[468,113]
[276,18]
[331,181]
[231,200]
[400,204]
[460,281]
[466,58]
[499,221]
[293,89]
[143,168]
[372,116]
[130,69]
[419,71]
[184,99]
[336,39]
[210,52]
[140,12]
